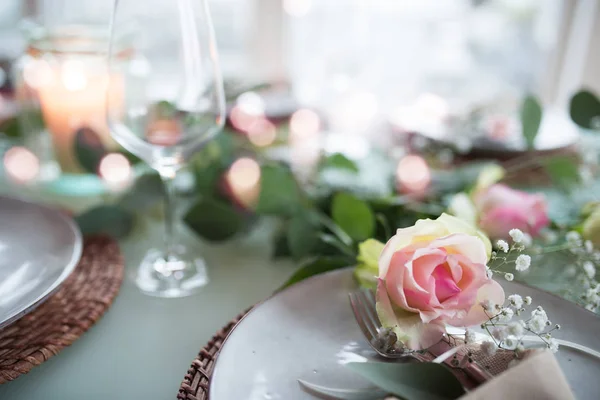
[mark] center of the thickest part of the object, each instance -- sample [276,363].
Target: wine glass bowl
[163,105]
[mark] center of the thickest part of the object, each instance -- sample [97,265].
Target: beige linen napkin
[537,377]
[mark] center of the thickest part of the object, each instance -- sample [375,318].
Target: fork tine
[370,313]
[355,303]
[364,314]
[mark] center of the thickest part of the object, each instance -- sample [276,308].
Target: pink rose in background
[431,275]
[501,209]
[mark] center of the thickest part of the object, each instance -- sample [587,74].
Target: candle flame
[21,164]
[73,75]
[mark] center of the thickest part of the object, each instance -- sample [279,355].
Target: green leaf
[11,128]
[147,191]
[531,118]
[585,109]
[339,161]
[335,243]
[279,194]
[163,110]
[215,220]
[316,267]
[563,171]
[302,236]
[89,149]
[110,220]
[280,247]
[353,215]
[414,381]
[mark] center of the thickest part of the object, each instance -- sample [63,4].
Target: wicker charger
[195,384]
[67,314]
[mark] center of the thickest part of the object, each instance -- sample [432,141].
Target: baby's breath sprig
[587,261]
[507,333]
[506,254]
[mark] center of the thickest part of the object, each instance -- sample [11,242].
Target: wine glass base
[172,276]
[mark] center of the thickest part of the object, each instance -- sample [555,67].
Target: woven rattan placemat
[67,314]
[196,380]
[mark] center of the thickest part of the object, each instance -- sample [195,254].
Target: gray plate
[305,332]
[39,248]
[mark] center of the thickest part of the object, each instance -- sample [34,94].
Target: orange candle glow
[71,97]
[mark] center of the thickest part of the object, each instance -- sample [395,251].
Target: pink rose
[431,275]
[501,209]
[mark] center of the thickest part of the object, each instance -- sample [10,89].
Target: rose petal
[407,326]
[491,291]
[395,281]
[470,246]
[457,225]
[445,287]
[497,222]
[419,270]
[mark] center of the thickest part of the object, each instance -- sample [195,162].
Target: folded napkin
[537,377]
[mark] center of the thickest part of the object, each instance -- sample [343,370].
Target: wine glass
[165,101]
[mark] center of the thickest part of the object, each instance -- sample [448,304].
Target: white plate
[39,248]
[304,332]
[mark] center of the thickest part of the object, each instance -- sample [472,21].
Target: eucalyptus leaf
[163,110]
[563,171]
[585,109]
[280,246]
[353,215]
[339,161]
[414,381]
[11,128]
[215,220]
[89,149]
[302,236]
[329,393]
[279,194]
[316,267]
[531,118]
[147,191]
[337,244]
[109,220]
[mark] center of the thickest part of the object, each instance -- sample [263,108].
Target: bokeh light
[115,169]
[243,179]
[21,164]
[297,8]
[432,106]
[262,133]
[249,110]
[37,73]
[304,124]
[413,174]
[355,112]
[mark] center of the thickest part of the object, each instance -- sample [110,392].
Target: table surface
[142,347]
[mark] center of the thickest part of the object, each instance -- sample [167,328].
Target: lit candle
[72,97]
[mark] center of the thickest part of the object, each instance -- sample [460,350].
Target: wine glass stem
[170,198]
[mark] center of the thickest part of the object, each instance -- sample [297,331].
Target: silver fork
[363,306]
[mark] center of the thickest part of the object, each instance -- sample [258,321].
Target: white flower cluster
[522,263]
[584,269]
[507,334]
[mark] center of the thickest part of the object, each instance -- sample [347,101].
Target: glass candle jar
[61,86]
